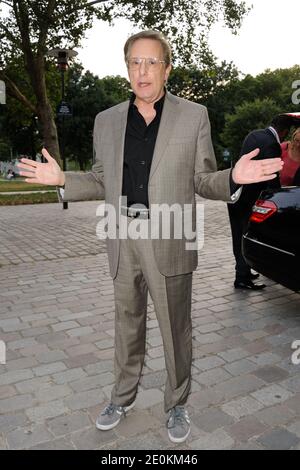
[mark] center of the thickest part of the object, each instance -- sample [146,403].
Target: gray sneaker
[111,416]
[178,424]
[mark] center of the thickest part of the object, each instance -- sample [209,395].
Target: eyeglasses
[151,63]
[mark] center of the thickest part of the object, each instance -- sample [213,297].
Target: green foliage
[37,198]
[186,23]
[236,106]
[33,27]
[199,85]
[19,184]
[64,23]
[18,129]
[275,85]
[4,149]
[88,95]
[248,116]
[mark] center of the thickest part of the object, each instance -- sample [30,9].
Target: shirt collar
[275,133]
[158,105]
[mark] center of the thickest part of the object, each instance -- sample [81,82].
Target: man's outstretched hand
[42,173]
[247,171]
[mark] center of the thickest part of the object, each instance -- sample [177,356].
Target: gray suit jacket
[183,164]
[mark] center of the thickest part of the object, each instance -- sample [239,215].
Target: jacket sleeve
[250,143]
[209,183]
[86,186]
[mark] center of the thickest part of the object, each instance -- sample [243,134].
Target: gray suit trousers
[138,274]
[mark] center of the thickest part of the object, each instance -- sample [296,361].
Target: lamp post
[2,101]
[62,57]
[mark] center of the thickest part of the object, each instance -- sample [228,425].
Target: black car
[271,245]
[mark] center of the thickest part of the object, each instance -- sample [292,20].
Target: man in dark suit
[268,141]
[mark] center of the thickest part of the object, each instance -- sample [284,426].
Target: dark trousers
[238,216]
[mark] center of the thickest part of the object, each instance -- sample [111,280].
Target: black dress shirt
[140,140]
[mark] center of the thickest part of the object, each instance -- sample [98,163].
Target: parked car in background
[271,244]
[295,118]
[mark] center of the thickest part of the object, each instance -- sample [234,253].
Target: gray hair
[155,36]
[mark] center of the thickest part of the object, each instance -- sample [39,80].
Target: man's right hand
[42,173]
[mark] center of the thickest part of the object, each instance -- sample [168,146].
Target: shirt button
[141,186]
[142,162]
[146,139]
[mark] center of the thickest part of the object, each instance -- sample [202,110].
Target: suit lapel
[167,122]
[119,125]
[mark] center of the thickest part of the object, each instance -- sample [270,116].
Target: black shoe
[254,276]
[248,285]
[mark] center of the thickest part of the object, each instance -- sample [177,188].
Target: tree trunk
[36,70]
[49,130]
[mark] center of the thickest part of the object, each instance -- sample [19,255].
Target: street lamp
[2,96]
[62,57]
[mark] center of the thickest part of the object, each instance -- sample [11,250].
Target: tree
[199,85]
[33,27]
[202,86]
[88,95]
[275,85]
[248,116]
[19,123]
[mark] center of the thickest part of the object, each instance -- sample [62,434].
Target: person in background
[291,157]
[268,141]
[10,174]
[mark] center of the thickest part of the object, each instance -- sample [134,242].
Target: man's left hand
[247,171]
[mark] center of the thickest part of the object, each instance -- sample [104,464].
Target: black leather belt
[135,212]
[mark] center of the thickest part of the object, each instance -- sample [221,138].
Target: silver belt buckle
[136,212]
[132,212]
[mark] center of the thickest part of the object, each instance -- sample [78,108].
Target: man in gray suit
[154,149]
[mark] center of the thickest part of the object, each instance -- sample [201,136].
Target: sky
[268,38]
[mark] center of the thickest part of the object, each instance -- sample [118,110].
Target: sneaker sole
[107,427]
[178,440]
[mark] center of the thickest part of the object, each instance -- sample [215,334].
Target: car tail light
[262,210]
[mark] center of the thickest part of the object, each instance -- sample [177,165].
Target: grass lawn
[17,199]
[18,184]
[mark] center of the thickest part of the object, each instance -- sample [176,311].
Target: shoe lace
[110,409]
[178,416]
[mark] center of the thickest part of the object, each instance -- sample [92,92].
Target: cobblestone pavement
[57,320]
